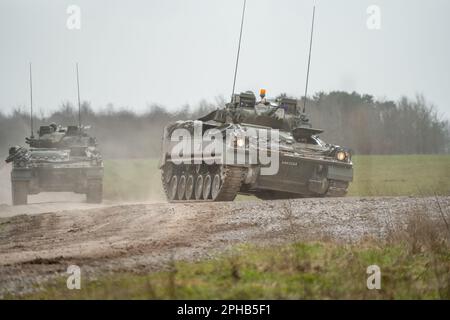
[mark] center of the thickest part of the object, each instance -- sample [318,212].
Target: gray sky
[173,52]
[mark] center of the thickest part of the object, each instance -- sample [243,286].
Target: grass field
[135,180]
[414,264]
[132,180]
[401,175]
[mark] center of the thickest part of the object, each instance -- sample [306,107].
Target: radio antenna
[309,58]
[239,49]
[31,104]
[79,101]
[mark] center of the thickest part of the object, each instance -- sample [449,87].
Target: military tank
[307,166]
[60,159]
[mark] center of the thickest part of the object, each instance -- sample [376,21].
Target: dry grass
[430,238]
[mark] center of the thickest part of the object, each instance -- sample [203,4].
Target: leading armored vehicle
[302,165]
[267,148]
[60,159]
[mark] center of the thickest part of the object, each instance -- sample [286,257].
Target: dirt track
[144,237]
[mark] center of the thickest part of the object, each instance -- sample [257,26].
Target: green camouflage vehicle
[60,159]
[266,148]
[306,165]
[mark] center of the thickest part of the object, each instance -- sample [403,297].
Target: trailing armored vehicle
[60,159]
[302,164]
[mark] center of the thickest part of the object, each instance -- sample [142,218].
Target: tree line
[409,126]
[368,126]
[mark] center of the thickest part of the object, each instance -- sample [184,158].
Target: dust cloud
[5,185]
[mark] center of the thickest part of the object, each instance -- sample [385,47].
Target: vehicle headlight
[240,142]
[340,155]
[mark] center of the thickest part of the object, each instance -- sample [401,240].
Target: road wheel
[94,192]
[19,193]
[215,187]
[207,187]
[173,188]
[181,188]
[189,187]
[199,188]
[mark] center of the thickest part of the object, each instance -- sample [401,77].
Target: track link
[337,189]
[232,181]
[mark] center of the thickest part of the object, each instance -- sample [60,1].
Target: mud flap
[94,193]
[19,189]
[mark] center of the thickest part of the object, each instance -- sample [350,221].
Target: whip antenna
[79,101]
[239,49]
[309,58]
[31,104]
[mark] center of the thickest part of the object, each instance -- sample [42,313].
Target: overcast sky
[172,52]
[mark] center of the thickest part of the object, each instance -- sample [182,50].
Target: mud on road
[145,237]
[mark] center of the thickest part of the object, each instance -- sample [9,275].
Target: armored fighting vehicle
[267,148]
[60,159]
[301,164]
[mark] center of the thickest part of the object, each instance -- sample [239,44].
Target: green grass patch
[404,175]
[417,175]
[296,271]
[132,180]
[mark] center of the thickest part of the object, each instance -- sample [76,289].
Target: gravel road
[36,246]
